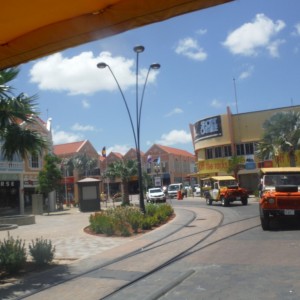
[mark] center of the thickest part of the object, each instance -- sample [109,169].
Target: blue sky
[248,46]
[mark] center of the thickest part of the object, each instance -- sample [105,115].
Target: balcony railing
[11,166]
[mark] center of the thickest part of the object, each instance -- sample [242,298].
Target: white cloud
[175,137]
[123,149]
[80,127]
[175,111]
[201,31]
[85,103]
[63,137]
[297,30]
[250,37]
[274,46]
[79,74]
[189,47]
[247,72]
[216,103]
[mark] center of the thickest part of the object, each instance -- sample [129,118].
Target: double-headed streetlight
[139,105]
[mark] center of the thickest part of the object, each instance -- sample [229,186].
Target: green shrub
[151,209]
[135,220]
[12,255]
[125,220]
[126,230]
[148,222]
[41,251]
[102,223]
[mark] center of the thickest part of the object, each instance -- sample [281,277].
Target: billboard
[207,128]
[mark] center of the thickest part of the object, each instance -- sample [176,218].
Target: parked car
[197,191]
[155,195]
[173,189]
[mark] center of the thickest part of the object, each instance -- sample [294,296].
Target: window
[240,150]
[227,151]
[249,148]
[245,149]
[218,152]
[209,153]
[164,166]
[34,162]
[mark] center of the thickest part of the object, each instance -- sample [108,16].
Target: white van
[173,189]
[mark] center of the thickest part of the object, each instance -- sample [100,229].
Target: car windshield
[227,182]
[155,191]
[173,187]
[282,179]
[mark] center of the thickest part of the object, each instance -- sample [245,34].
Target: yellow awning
[35,28]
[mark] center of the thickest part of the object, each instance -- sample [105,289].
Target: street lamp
[139,105]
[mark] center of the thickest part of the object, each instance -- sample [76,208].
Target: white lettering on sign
[209,126]
[7,183]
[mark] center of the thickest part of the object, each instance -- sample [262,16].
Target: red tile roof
[117,154]
[175,151]
[69,148]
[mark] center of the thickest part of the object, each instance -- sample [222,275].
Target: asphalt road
[254,264]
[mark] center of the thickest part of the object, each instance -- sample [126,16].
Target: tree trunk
[292,158]
[125,192]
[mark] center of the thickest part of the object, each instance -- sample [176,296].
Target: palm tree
[234,165]
[14,110]
[83,163]
[281,134]
[123,170]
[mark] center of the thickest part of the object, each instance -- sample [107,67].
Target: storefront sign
[207,128]
[157,181]
[9,183]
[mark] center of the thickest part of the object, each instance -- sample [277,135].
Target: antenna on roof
[235,95]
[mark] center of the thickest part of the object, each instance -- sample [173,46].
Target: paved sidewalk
[65,229]
[82,252]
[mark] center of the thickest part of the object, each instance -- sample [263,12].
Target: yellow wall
[248,127]
[220,165]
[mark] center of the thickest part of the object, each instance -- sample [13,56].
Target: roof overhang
[33,28]
[280,170]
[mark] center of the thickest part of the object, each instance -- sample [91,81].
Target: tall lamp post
[139,105]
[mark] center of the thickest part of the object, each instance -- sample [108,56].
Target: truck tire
[245,201]
[264,220]
[208,201]
[224,201]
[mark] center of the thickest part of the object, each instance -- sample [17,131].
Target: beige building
[163,164]
[71,177]
[216,139]
[19,178]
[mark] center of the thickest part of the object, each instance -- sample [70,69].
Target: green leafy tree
[83,163]
[234,165]
[13,111]
[50,177]
[123,170]
[281,134]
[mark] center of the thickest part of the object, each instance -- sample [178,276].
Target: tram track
[210,239]
[189,238]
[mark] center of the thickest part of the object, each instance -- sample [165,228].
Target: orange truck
[279,194]
[223,189]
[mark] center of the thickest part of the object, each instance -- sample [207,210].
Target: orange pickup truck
[280,194]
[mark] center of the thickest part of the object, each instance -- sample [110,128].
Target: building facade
[19,178]
[71,176]
[218,138]
[163,165]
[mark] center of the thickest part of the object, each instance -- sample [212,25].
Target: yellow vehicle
[223,189]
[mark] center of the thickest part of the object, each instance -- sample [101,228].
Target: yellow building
[216,139]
